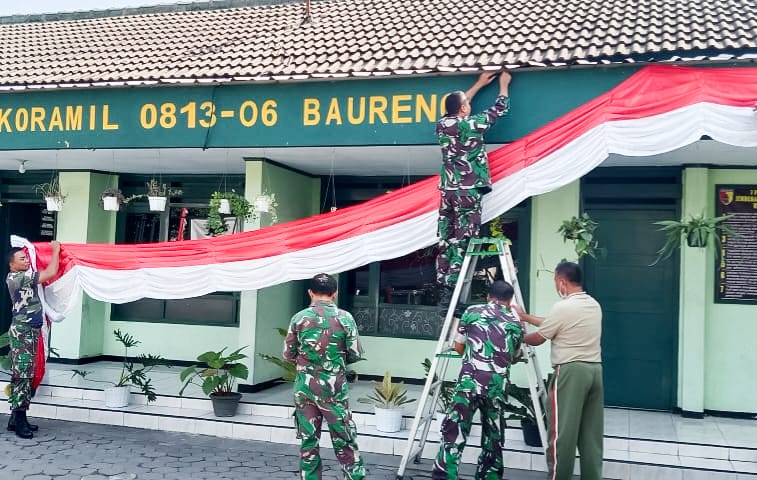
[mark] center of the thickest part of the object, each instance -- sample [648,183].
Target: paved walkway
[84,451]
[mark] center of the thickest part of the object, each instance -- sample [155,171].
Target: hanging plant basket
[224,206]
[262,204]
[54,204]
[157,204]
[110,204]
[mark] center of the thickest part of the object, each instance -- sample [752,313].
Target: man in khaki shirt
[575,413]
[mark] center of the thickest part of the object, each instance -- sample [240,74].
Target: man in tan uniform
[575,413]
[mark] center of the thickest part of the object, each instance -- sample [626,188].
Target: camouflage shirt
[27,307]
[464,162]
[322,338]
[492,339]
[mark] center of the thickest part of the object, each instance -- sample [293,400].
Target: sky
[8,7]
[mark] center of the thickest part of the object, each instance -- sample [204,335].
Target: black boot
[12,423]
[22,426]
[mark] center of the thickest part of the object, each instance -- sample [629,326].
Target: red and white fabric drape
[658,109]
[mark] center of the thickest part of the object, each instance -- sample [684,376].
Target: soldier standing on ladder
[465,177]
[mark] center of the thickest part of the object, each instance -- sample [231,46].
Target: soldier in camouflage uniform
[489,340]
[24,332]
[465,177]
[321,341]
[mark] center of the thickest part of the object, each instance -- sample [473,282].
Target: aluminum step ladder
[429,399]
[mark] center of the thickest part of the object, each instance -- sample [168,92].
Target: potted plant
[158,193]
[133,373]
[52,194]
[227,203]
[697,230]
[265,203]
[520,407]
[387,399]
[580,230]
[112,199]
[218,379]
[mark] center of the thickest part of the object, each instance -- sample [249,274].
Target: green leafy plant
[387,394]
[157,189]
[5,360]
[240,208]
[50,189]
[519,405]
[580,230]
[114,192]
[446,390]
[290,369]
[220,375]
[697,230]
[133,373]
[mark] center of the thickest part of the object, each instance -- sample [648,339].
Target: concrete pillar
[693,300]
[83,220]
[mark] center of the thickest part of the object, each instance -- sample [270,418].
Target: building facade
[326,110]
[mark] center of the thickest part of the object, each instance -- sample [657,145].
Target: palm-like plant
[133,373]
[697,230]
[387,394]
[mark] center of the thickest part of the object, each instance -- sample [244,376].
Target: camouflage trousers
[309,415]
[23,349]
[459,221]
[455,430]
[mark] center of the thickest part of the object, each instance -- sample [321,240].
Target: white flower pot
[117,397]
[54,204]
[110,204]
[157,204]
[224,206]
[388,419]
[262,204]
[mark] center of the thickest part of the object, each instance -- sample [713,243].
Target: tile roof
[272,40]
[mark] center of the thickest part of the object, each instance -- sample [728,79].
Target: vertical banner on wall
[736,279]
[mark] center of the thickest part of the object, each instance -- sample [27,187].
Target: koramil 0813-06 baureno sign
[355,113]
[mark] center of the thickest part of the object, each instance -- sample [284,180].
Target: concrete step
[625,458]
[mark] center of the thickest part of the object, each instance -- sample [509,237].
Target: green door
[639,305]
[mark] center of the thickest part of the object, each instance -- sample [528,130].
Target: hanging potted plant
[52,194]
[236,205]
[112,199]
[265,203]
[133,374]
[218,379]
[580,230]
[697,230]
[158,193]
[387,400]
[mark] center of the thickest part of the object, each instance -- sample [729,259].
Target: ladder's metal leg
[422,413]
[535,382]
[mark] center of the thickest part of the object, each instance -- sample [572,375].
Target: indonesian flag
[657,110]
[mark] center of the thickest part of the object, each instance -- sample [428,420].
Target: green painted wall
[729,353]
[400,356]
[297,196]
[547,249]
[354,112]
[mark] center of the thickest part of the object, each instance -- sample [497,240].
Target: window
[181,220]
[399,297]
